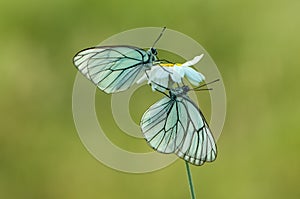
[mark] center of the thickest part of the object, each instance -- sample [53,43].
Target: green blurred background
[255,44]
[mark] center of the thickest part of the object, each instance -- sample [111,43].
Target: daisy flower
[165,75]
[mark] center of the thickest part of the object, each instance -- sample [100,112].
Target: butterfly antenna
[198,88]
[161,61]
[159,36]
[161,33]
[203,89]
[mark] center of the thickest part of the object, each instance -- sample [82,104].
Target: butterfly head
[152,52]
[179,91]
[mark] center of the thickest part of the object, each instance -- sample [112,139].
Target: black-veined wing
[176,125]
[114,68]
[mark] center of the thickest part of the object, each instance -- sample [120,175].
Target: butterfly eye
[153,51]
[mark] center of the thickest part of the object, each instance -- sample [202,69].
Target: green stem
[190,180]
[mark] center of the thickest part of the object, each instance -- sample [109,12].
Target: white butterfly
[114,68]
[176,125]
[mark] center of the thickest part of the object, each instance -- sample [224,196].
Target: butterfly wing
[112,68]
[199,145]
[178,126]
[162,127]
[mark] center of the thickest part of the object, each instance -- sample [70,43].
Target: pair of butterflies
[174,124]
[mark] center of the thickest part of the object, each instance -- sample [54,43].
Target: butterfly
[175,124]
[115,68]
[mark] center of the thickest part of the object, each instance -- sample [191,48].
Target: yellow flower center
[170,65]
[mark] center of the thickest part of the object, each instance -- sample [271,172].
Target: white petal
[159,73]
[193,61]
[193,76]
[179,70]
[176,77]
[160,84]
[163,82]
